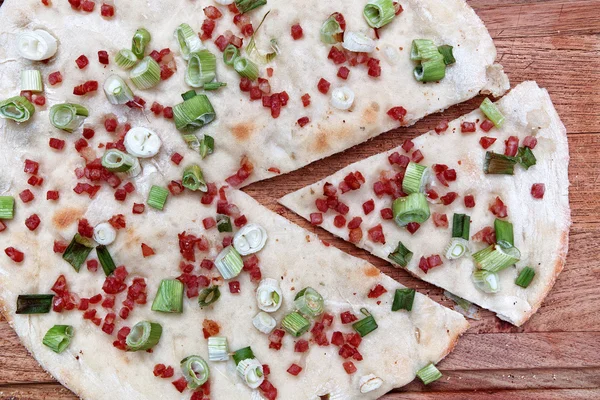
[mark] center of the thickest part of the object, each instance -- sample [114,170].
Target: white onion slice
[142,142]
[358,42]
[224,2]
[250,239]
[251,371]
[342,98]
[36,45]
[264,322]
[268,295]
[104,233]
[370,382]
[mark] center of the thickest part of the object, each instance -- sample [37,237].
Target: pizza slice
[223,300]
[478,207]
[310,79]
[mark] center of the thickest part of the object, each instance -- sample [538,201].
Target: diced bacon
[296,31]
[103,57]
[374,293]
[306,100]
[469,201]
[82,61]
[157,108]
[347,317]
[530,141]
[39,100]
[417,156]
[168,112]
[354,223]
[246,168]
[147,251]
[234,287]
[413,227]
[32,222]
[221,42]
[538,190]
[408,145]
[92,265]
[336,55]
[26,196]
[339,221]
[107,10]
[346,351]
[88,133]
[180,384]
[342,208]
[118,221]
[449,198]
[440,220]
[323,86]
[374,67]
[110,124]
[85,229]
[486,125]
[337,339]
[212,12]
[31,167]
[236,41]
[60,246]
[56,144]
[512,146]
[301,346]
[397,113]
[486,141]
[321,205]
[498,208]
[316,218]
[468,127]
[349,367]
[368,206]
[432,194]
[35,180]
[294,370]
[376,234]
[396,158]
[355,235]
[343,72]
[80,144]
[175,187]
[487,235]
[55,78]
[303,121]
[387,213]
[207,28]
[441,127]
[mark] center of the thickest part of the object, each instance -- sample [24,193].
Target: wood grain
[556,355]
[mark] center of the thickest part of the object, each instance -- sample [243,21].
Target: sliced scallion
[250,239]
[58,338]
[431,70]
[401,255]
[403,299]
[244,6]
[230,54]
[126,59]
[295,324]
[142,142]
[207,146]
[457,248]
[189,94]
[140,40]
[525,277]
[264,323]
[17,108]
[268,295]
[429,374]
[423,49]
[188,40]
[412,208]
[169,297]
[201,68]
[104,233]
[36,45]
[253,52]
[492,113]
[331,31]
[309,302]
[486,281]
[208,296]
[498,164]
[526,157]
[214,85]
[461,226]
[379,13]
[143,336]
[251,371]
[246,68]
[157,197]
[7,207]
[365,325]
[117,161]
[67,116]
[193,178]
[218,350]
[193,113]
[224,223]
[34,303]
[117,91]
[77,251]
[192,141]
[195,371]
[146,74]
[229,262]
[106,260]
[495,258]
[31,80]
[243,354]
[446,52]
[504,233]
[415,178]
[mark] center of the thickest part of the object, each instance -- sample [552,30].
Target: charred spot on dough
[243,131]
[321,144]
[66,216]
[369,116]
[132,239]
[371,271]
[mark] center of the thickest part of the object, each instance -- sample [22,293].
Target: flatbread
[541,227]
[403,343]
[245,128]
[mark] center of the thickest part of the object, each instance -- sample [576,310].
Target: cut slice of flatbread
[245,128]
[541,226]
[403,343]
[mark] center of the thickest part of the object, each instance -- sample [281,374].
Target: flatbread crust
[541,227]
[245,128]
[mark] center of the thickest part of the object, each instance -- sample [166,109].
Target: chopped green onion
[246,68]
[365,325]
[429,374]
[499,164]
[495,258]
[230,54]
[504,233]
[243,354]
[208,296]
[157,197]
[486,281]
[254,53]
[193,113]
[214,85]
[224,223]
[193,178]
[461,226]
[146,74]
[526,157]
[31,80]
[251,371]
[229,262]
[491,112]
[423,49]
[431,70]
[268,295]
[189,94]
[106,260]
[446,51]
[358,42]
[7,207]
[295,324]
[117,91]
[525,277]
[401,255]
[117,161]
[309,302]
[17,108]
[207,146]
[188,40]
[218,350]
[192,141]
[403,299]
[331,31]
[264,323]
[126,59]
[244,6]
[34,303]
[169,297]
[412,208]
[379,13]
[415,178]
[195,371]
[67,116]
[138,44]
[77,251]
[143,336]
[201,68]
[457,248]
[58,338]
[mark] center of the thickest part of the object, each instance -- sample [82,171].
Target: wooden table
[556,355]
